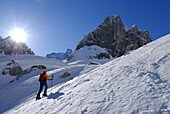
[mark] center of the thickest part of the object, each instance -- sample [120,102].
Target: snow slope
[26,61]
[13,94]
[87,54]
[138,82]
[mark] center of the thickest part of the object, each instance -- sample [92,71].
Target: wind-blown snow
[138,82]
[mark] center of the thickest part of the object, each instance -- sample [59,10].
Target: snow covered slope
[13,94]
[90,54]
[138,82]
[26,61]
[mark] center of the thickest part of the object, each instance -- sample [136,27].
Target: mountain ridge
[116,38]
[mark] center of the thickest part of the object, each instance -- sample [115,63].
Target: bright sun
[18,35]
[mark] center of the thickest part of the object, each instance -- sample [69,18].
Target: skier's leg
[41,87]
[45,91]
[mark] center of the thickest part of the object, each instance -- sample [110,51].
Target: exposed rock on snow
[40,67]
[33,68]
[116,38]
[12,62]
[60,56]
[12,69]
[92,63]
[102,55]
[65,75]
[17,70]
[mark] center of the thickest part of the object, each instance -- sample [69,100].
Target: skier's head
[44,71]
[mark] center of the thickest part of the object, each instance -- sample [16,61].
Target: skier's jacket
[44,77]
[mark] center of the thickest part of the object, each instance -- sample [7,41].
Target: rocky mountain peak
[116,38]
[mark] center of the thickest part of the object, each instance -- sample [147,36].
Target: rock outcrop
[11,47]
[13,69]
[65,75]
[116,38]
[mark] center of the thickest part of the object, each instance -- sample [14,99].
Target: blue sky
[55,25]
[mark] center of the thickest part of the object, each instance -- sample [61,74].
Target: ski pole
[51,83]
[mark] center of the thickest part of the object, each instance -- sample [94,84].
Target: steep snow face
[134,83]
[60,56]
[90,54]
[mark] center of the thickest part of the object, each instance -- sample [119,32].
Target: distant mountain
[60,56]
[10,47]
[115,38]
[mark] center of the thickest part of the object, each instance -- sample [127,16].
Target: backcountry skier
[43,82]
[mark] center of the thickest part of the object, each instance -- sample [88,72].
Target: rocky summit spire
[116,38]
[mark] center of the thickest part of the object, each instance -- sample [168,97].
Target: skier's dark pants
[41,87]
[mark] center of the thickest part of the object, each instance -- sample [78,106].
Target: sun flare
[18,35]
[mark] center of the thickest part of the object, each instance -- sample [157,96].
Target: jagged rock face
[11,47]
[116,38]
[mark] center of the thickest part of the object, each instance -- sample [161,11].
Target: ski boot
[44,94]
[38,98]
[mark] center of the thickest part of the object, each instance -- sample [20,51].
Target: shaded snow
[86,54]
[138,82]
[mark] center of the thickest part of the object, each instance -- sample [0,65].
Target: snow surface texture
[138,82]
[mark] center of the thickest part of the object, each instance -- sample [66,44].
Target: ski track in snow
[138,82]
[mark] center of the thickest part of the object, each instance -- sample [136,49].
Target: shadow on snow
[55,95]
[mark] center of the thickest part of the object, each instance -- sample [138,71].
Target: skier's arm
[48,77]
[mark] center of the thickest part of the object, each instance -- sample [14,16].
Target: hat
[44,71]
